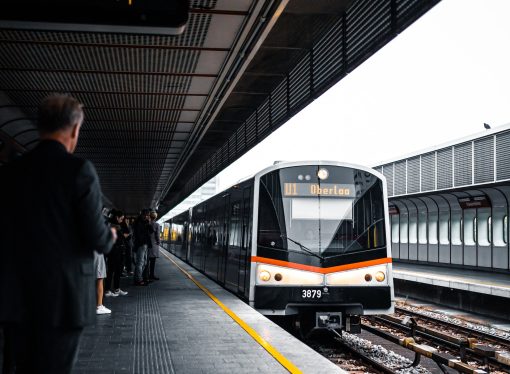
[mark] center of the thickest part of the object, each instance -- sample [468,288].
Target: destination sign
[314,189]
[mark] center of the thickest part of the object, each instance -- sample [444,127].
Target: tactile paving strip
[151,351]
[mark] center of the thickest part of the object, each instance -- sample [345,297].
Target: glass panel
[444,226]
[403,228]
[469,227]
[422,228]
[394,228]
[432,228]
[489,229]
[484,226]
[505,229]
[456,231]
[413,229]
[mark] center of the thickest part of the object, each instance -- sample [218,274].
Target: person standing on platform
[154,249]
[142,231]
[100,266]
[116,257]
[128,254]
[51,224]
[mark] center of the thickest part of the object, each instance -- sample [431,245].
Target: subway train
[306,240]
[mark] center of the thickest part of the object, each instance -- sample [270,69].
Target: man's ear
[75,131]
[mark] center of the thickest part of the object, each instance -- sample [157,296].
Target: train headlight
[380,276]
[371,275]
[323,174]
[271,275]
[264,275]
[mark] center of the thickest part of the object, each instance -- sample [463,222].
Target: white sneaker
[111,294]
[101,309]
[120,292]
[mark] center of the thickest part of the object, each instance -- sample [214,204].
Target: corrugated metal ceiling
[160,110]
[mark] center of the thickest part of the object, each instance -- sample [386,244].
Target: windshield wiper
[307,250]
[360,235]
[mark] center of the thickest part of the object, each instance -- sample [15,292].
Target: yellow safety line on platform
[268,347]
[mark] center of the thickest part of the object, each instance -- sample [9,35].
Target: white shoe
[120,292]
[111,294]
[101,309]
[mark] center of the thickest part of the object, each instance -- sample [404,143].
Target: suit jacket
[51,225]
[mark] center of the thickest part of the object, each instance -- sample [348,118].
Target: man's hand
[114,234]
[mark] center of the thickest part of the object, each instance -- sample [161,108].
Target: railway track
[355,354]
[493,338]
[441,343]
[453,347]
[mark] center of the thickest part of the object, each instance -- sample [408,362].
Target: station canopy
[175,91]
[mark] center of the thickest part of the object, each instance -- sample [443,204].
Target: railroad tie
[503,357]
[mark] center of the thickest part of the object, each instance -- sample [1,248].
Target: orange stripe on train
[316,269]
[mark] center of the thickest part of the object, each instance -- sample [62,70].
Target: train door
[234,241]
[245,250]
[224,223]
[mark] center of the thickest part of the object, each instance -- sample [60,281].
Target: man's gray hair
[58,112]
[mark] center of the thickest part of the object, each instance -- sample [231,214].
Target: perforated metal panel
[444,168]
[299,83]
[463,164]
[413,175]
[503,156]
[400,178]
[484,160]
[428,172]
[388,173]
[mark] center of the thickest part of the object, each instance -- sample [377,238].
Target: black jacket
[142,231]
[50,226]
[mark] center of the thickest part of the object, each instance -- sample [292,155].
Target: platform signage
[474,202]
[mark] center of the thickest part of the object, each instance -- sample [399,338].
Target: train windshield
[322,210]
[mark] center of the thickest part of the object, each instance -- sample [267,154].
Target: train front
[321,248]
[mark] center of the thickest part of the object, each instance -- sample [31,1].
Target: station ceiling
[173,91]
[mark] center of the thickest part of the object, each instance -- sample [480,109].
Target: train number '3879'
[311,294]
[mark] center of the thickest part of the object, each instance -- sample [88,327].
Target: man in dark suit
[51,223]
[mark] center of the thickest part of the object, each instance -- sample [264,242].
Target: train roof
[286,164]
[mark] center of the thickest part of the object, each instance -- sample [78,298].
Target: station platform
[471,290]
[186,323]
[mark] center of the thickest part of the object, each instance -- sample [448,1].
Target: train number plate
[311,294]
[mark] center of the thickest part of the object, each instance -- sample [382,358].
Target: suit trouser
[43,349]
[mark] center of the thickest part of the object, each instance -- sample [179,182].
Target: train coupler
[328,320]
